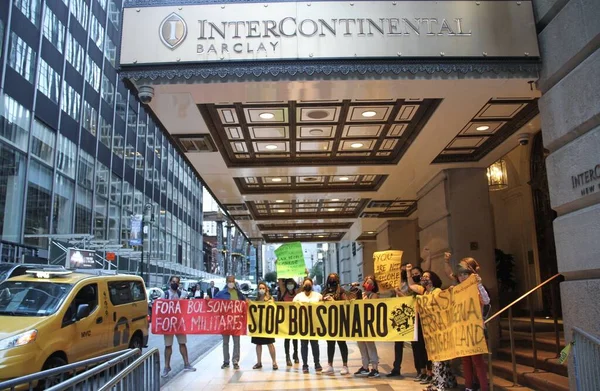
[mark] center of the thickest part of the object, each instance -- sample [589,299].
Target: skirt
[262,341]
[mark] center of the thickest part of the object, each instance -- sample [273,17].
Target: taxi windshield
[31,298]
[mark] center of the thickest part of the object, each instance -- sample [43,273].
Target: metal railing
[60,375]
[586,356]
[509,308]
[142,374]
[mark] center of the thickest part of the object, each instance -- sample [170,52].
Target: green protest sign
[290,260]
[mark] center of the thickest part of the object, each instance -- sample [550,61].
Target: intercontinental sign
[328,30]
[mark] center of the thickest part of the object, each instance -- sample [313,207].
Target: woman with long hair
[368,350]
[309,296]
[287,291]
[334,291]
[264,296]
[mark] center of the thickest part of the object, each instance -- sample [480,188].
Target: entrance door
[544,216]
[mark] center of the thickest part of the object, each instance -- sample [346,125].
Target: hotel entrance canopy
[323,120]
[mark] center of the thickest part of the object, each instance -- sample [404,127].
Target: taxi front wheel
[52,362]
[136,342]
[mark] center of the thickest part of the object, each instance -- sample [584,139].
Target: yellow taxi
[49,318]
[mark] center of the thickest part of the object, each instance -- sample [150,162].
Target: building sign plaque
[328,30]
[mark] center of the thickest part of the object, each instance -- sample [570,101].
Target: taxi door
[86,334]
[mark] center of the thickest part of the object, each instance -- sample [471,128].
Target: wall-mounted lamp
[496,174]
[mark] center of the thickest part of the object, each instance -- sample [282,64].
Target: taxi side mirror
[83,311]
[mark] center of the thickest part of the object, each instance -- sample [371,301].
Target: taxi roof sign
[49,273]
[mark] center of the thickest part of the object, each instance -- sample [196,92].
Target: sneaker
[393,374]
[236,366]
[318,368]
[420,377]
[344,370]
[373,373]
[165,372]
[362,372]
[225,365]
[189,368]
[328,371]
[288,362]
[427,380]
[304,368]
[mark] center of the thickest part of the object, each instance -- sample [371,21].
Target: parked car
[10,270]
[153,294]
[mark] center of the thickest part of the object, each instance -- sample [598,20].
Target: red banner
[202,316]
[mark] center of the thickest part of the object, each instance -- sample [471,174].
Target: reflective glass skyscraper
[78,153]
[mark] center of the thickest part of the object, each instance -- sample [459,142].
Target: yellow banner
[357,320]
[452,322]
[387,266]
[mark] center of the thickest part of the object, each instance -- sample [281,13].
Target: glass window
[130,155]
[108,90]
[21,58]
[74,53]
[71,103]
[105,131]
[114,14]
[86,295]
[1,35]
[115,188]
[100,215]
[39,201]
[31,9]
[79,9]
[54,30]
[42,142]
[102,4]
[96,32]
[48,82]
[124,292]
[63,205]
[90,118]
[14,122]
[121,106]
[92,73]
[110,50]
[12,185]
[83,211]
[114,216]
[65,158]
[102,175]
[32,298]
[118,145]
[85,175]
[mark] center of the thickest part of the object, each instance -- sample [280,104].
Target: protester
[422,363]
[431,283]
[198,293]
[334,291]
[287,291]
[368,350]
[264,296]
[309,296]
[212,291]
[230,292]
[403,291]
[174,293]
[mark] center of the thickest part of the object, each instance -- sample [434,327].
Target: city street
[198,346]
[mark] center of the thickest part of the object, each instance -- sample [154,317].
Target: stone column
[367,255]
[570,111]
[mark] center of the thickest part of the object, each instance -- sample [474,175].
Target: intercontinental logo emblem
[172,31]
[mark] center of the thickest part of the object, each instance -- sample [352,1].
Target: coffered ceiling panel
[348,132]
[309,184]
[307,209]
[284,227]
[389,208]
[304,237]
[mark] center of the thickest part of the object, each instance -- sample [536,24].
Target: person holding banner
[334,291]
[287,291]
[309,296]
[368,350]
[231,292]
[264,296]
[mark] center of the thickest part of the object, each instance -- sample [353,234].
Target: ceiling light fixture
[321,236]
[271,147]
[331,210]
[266,115]
[280,210]
[335,199]
[483,128]
[279,201]
[369,114]
[357,145]
[315,132]
[275,179]
[344,178]
[285,237]
[371,232]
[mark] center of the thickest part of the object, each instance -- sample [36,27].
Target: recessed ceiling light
[321,236]
[266,115]
[343,178]
[371,232]
[280,210]
[285,237]
[275,179]
[279,201]
[318,114]
[357,145]
[315,132]
[335,199]
[331,209]
[310,179]
[483,128]
[369,114]
[271,147]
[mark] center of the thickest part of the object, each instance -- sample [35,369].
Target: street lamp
[147,217]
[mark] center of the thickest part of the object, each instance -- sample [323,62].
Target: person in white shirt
[309,296]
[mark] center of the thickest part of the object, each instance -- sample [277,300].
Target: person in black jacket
[212,291]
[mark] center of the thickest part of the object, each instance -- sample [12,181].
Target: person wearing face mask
[230,292]
[287,291]
[333,291]
[431,283]
[368,350]
[264,296]
[309,296]
[174,293]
